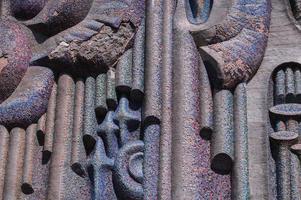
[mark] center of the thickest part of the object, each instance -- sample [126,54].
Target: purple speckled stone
[30,99]
[15,54]
[26,9]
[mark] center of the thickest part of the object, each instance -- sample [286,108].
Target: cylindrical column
[61,154]
[295,171]
[50,121]
[90,122]
[240,175]
[28,159]
[138,64]
[111,92]
[41,129]
[153,61]
[283,179]
[222,146]
[289,85]
[164,185]
[77,154]
[298,85]
[124,73]
[284,139]
[151,161]
[206,104]
[295,177]
[279,87]
[13,176]
[4,142]
[187,146]
[101,97]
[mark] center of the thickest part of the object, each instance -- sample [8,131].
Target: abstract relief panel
[285,129]
[134,99]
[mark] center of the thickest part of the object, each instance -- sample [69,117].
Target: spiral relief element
[128,170]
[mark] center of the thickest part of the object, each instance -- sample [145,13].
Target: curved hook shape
[15,54]
[108,25]
[29,100]
[58,15]
[236,60]
[238,44]
[243,14]
[127,184]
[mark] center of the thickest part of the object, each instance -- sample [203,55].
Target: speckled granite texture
[150,99]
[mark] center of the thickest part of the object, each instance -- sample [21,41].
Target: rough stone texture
[96,51]
[113,25]
[282,48]
[156,99]
[53,166]
[238,43]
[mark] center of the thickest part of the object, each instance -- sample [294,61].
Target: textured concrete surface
[283,46]
[156,99]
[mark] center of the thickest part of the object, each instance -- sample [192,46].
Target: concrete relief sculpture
[285,119]
[58,60]
[134,99]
